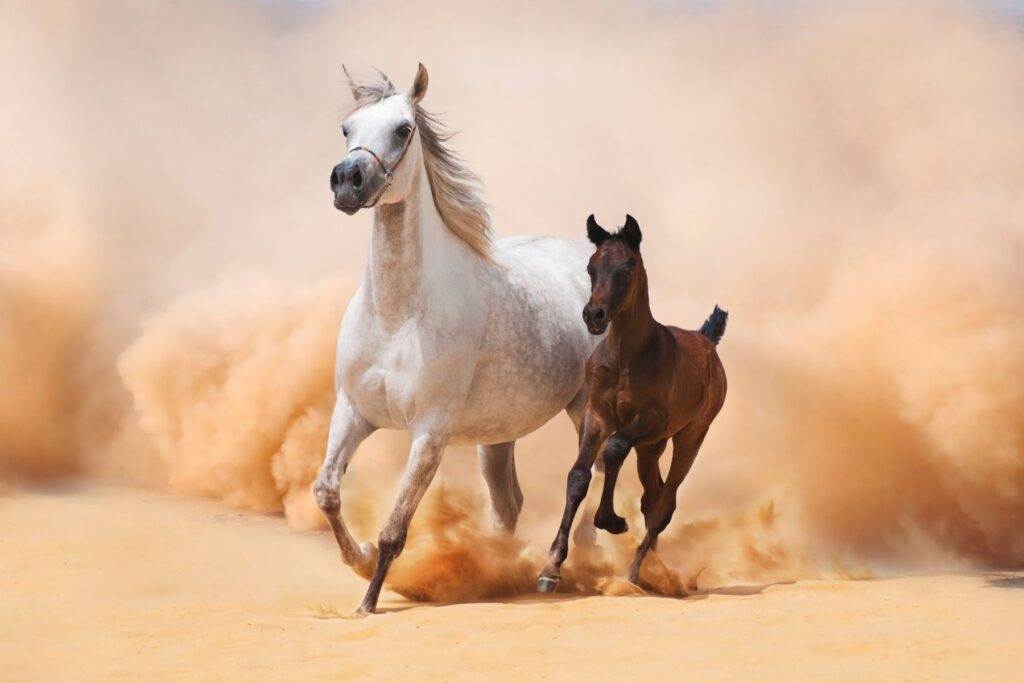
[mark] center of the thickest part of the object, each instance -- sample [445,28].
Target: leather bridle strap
[389,175]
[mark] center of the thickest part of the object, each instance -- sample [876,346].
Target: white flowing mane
[455,188]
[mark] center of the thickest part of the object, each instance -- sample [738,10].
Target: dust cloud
[847,181]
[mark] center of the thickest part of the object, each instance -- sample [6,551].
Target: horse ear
[419,86]
[595,232]
[631,233]
[351,83]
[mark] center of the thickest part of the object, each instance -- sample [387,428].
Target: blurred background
[847,179]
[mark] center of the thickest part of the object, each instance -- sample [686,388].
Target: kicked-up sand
[119,584]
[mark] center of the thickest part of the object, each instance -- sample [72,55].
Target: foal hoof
[546,584]
[613,524]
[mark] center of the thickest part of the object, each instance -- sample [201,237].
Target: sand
[121,584]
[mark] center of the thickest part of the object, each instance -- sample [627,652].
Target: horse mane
[455,189]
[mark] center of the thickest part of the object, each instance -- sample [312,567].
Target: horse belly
[532,357]
[515,391]
[511,419]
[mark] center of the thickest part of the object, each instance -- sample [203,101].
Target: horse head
[379,136]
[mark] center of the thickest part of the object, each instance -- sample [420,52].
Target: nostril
[336,178]
[598,313]
[357,179]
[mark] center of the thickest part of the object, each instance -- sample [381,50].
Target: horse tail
[714,327]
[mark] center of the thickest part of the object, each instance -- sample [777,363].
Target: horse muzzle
[354,185]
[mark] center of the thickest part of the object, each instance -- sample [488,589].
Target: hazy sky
[1010,8]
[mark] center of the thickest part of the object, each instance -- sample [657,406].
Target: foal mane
[455,188]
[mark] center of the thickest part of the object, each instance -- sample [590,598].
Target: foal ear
[631,233]
[595,232]
[419,86]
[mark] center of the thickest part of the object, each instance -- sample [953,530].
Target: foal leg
[498,464]
[615,453]
[576,487]
[424,459]
[348,430]
[577,408]
[586,533]
[685,445]
[649,471]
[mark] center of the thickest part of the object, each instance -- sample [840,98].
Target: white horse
[453,336]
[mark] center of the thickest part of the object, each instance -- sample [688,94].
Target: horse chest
[396,378]
[611,397]
[382,374]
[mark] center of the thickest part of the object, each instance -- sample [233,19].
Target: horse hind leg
[685,446]
[498,465]
[649,472]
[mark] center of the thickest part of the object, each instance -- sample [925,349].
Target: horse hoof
[367,562]
[613,525]
[546,584]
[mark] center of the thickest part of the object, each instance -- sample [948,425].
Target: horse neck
[411,252]
[633,325]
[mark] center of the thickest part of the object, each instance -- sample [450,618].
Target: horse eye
[403,130]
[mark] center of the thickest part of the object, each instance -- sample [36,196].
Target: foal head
[380,155]
[616,273]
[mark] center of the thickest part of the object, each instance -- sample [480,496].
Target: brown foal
[648,383]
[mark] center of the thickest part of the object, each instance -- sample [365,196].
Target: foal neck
[633,325]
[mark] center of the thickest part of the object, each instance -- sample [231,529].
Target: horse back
[699,366]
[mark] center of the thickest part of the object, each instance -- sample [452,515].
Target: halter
[389,176]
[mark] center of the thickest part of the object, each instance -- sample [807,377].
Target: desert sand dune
[117,584]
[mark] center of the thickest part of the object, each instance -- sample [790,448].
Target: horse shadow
[1005,581]
[738,590]
[529,599]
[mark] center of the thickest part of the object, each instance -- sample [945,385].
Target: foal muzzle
[596,318]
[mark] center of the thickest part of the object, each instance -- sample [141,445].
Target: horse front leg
[615,452]
[348,430]
[424,459]
[576,486]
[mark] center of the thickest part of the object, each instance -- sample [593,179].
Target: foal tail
[714,327]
